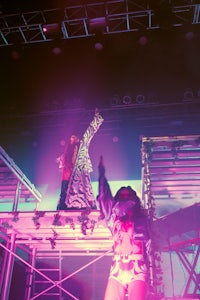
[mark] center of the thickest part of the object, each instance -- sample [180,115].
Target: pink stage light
[53,28]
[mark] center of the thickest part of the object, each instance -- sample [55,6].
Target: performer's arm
[92,128]
[104,198]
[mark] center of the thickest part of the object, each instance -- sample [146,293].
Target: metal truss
[180,236]
[170,172]
[173,167]
[49,236]
[82,20]
[193,284]
[15,187]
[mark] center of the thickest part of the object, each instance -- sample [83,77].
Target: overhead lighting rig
[75,20]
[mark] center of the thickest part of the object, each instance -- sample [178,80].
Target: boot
[62,205]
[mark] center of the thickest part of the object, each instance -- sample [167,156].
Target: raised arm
[104,198]
[92,128]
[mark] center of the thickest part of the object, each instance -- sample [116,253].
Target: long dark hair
[69,151]
[137,208]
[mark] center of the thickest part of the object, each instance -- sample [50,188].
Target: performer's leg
[137,290]
[114,290]
[63,193]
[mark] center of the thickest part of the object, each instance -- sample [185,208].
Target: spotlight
[51,28]
[188,95]
[127,100]
[115,101]
[97,23]
[140,98]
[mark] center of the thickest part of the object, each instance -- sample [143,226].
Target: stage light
[127,100]
[115,101]
[52,30]
[97,23]
[140,98]
[188,95]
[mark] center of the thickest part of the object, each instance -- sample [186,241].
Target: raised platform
[51,239]
[73,232]
[84,232]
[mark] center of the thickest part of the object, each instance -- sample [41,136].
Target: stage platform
[82,231]
[171,170]
[73,232]
[57,238]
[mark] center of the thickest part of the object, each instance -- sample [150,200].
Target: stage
[67,254]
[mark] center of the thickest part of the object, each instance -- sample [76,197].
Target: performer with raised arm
[129,226]
[76,189]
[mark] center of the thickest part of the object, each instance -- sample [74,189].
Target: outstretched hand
[97,115]
[101,167]
[96,111]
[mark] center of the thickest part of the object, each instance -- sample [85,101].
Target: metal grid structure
[15,187]
[35,237]
[42,240]
[171,172]
[50,236]
[179,233]
[82,20]
[173,168]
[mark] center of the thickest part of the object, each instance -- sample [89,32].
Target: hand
[101,167]
[58,159]
[96,112]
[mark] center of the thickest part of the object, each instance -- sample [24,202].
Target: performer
[76,189]
[66,164]
[129,226]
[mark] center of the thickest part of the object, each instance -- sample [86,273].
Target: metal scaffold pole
[9,263]
[155,280]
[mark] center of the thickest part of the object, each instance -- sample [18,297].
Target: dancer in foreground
[129,226]
[76,189]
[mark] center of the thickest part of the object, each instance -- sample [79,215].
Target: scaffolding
[50,237]
[46,241]
[15,187]
[170,173]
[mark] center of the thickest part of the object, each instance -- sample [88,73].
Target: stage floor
[74,232]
